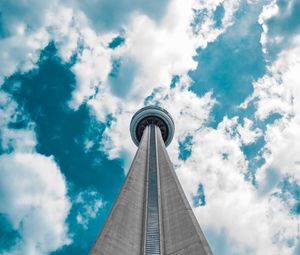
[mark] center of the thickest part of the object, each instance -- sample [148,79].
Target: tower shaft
[151,215]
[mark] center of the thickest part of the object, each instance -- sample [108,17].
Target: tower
[151,215]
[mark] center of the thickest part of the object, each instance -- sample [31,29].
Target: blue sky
[73,74]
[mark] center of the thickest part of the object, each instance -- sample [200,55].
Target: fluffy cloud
[147,59]
[22,139]
[106,77]
[23,35]
[89,204]
[268,12]
[91,69]
[262,210]
[164,51]
[233,204]
[34,201]
[33,190]
[107,16]
[20,52]
[278,93]
[280,22]
[115,82]
[189,109]
[213,23]
[246,133]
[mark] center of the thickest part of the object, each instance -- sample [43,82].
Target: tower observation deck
[151,215]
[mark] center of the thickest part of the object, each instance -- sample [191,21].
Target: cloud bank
[33,190]
[145,56]
[33,198]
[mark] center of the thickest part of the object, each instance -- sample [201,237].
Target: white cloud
[20,52]
[270,10]
[159,50]
[92,67]
[24,35]
[34,201]
[278,92]
[153,52]
[279,20]
[89,204]
[23,139]
[234,204]
[189,109]
[33,190]
[28,14]
[206,31]
[245,133]
[64,29]
[252,222]
[167,48]
[109,16]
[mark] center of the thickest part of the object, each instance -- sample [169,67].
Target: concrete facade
[151,212]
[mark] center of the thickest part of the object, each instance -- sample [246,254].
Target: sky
[72,74]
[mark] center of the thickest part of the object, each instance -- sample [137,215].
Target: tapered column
[151,215]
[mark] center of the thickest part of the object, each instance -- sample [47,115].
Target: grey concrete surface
[181,231]
[124,232]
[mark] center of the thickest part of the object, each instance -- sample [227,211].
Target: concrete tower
[151,215]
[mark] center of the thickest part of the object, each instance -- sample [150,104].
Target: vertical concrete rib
[152,244]
[123,230]
[182,233]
